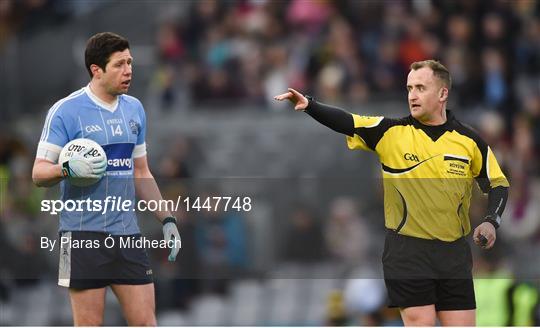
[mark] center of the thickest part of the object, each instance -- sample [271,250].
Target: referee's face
[425,94]
[117,75]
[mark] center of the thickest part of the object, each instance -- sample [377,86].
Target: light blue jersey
[120,129]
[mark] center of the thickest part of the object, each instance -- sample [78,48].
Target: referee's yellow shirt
[428,173]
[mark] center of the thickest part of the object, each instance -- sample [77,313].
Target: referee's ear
[443,94]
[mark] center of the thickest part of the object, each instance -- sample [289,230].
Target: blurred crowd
[227,54]
[350,51]
[24,17]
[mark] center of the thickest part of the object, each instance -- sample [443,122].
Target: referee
[429,160]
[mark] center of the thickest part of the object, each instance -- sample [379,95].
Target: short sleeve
[141,137]
[368,130]
[54,130]
[140,146]
[486,169]
[53,136]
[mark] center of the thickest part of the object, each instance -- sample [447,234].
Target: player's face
[426,94]
[117,75]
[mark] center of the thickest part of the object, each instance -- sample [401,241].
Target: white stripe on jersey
[80,125]
[104,126]
[52,111]
[457,156]
[125,123]
[487,164]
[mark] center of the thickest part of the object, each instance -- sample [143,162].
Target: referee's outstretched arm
[335,118]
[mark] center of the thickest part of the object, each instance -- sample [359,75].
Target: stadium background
[206,72]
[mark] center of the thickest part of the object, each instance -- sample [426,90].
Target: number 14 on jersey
[116,130]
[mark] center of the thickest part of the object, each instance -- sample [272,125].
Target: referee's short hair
[100,47]
[439,70]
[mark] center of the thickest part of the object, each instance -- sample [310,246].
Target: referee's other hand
[487,230]
[300,102]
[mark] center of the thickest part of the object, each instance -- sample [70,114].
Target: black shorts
[422,272]
[89,261]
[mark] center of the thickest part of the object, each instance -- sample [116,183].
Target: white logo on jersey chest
[115,121]
[93,128]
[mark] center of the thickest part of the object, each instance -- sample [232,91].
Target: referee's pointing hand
[300,102]
[487,230]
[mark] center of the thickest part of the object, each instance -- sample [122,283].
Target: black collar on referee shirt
[436,131]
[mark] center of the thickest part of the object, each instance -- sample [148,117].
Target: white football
[75,146]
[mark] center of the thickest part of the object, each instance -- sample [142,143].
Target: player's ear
[96,71]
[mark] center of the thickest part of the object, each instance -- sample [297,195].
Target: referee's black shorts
[86,262]
[422,272]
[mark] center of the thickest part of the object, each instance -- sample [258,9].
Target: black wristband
[495,220]
[310,101]
[169,219]
[66,172]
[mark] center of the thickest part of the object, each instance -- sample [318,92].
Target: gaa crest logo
[134,126]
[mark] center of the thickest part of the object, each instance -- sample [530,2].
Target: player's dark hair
[439,70]
[100,47]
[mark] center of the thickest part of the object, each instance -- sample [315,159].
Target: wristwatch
[168,219]
[494,219]
[310,100]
